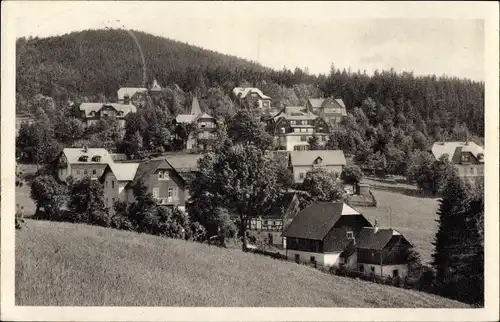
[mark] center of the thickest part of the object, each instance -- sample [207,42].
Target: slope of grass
[23,194]
[414,217]
[71,264]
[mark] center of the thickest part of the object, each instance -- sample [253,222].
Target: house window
[309,130]
[112,183]
[395,273]
[472,171]
[373,269]
[301,175]
[361,268]
[350,235]
[296,130]
[85,172]
[320,129]
[304,122]
[293,122]
[313,259]
[303,130]
[297,258]
[94,171]
[282,130]
[303,138]
[156,193]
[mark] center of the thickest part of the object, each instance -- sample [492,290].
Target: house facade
[251,97]
[158,176]
[381,252]
[81,162]
[301,162]
[205,126]
[321,232]
[268,228]
[335,234]
[91,113]
[467,158]
[333,110]
[293,126]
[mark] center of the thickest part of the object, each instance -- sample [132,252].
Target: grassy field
[414,217]
[64,264]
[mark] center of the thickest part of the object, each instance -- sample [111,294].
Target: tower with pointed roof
[155,88]
[195,107]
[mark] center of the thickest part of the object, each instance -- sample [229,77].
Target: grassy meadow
[414,217]
[23,198]
[63,264]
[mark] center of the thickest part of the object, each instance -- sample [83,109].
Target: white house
[116,176]
[250,96]
[82,162]
[303,161]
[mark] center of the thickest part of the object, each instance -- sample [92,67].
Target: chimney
[375,227]
[126,99]
[85,149]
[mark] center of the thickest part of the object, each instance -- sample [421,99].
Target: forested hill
[93,64]
[100,61]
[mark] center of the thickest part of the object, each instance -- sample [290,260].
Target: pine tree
[458,253]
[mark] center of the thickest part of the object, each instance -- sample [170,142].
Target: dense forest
[91,65]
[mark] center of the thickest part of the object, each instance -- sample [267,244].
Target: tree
[313,142]
[351,174]
[247,128]
[69,130]
[48,194]
[87,201]
[321,185]
[459,249]
[240,178]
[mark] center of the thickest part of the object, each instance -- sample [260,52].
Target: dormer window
[318,160]
[282,130]
[96,158]
[350,235]
[83,158]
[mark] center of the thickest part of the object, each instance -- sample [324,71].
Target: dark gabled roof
[280,206]
[147,168]
[368,239]
[315,221]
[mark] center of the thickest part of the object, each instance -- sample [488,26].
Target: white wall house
[82,162]
[303,161]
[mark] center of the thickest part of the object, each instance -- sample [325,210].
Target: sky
[278,34]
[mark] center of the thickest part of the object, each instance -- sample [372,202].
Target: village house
[467,157]
[251,97]
[382,252]
[23,118]
[137,95]
[205,126]
[132,95]
[300,162]
[158,176]
[268,228]
[81,162]
[91,113]
[293,126]
[335,234]
[322,231]
[333,110]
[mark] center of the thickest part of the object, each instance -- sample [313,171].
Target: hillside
[94,62]
[68,264]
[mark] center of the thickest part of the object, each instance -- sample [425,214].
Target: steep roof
[185,118]
[130,91]
[147,168]
[195,107]
[295,113]
[124,171]
[367,238]
[316,102]
[155,87]
[451,148]
[95,107]
[184,162]
[244,91]
[315,221]
[73,155]
[329,157]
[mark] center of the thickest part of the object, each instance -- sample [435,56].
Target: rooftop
[73,156]
[328,157]
[450,148]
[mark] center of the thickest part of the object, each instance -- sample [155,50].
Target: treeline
[91,66]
